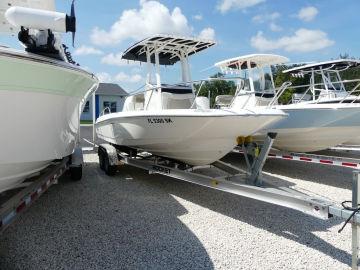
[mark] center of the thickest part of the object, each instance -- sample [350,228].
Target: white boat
[311,125]
[41,95]
[325,82]
[327,86]
[169,120]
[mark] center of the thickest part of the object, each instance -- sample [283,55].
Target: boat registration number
[160,120]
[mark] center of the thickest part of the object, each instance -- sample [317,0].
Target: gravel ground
[140,221]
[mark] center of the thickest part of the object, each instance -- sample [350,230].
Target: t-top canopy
[170,48]
[5,26]
[256,60]
[336,65]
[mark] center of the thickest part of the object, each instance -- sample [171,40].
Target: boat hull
[315,127]
[40,102]
[195,137]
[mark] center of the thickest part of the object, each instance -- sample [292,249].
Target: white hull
[40,104]
[195,137]
[316,127]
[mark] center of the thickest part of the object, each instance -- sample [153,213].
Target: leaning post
[354,226]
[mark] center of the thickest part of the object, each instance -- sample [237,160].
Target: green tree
[216,87]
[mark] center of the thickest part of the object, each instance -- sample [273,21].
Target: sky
[301,30]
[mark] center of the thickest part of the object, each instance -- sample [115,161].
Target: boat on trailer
[42,91]
[327,86]
[170,120]
[311,126]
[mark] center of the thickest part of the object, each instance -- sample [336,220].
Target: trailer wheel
[109,169]
[101,160]
[76,173]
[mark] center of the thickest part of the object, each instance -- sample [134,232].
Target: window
[86,107]
[110,105]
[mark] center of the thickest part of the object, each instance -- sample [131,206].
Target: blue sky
[301,30]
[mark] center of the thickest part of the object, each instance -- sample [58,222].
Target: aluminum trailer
[248,183]
[332,160]
[18,201]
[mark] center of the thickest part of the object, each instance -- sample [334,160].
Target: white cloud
[86,50]
[116,60]
[307,14]
[135,70]
[225,5]
[151,18]
[304,40]
[207,33]
[275,28]
[121,77]
[261,18]
[269,19]
[198,17]
[104,77]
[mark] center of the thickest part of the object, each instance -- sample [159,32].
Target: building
[108,95]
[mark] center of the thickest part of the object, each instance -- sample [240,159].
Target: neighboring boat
[41,97]
[325,82]
[327,86]
[311,126]
[169,120]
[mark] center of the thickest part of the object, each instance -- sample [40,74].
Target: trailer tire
[109,169]
[101,161]
[76,173]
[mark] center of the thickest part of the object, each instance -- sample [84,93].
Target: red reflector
[20,207]
[287,157]
[326,161]
[305,159]
[349,164]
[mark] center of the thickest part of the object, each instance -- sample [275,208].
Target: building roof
[338,65]
[256,60]
[111,89]
[169,48]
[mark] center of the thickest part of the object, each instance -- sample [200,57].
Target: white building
[108,95]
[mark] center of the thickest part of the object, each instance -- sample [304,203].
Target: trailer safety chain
[354,211]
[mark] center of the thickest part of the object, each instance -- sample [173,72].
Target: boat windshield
[261,78]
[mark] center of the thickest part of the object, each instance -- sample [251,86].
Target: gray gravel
[141,221]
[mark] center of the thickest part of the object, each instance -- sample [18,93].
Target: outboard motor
[39,29]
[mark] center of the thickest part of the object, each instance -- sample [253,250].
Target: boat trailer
[330,160]
[248,183]
[21,199]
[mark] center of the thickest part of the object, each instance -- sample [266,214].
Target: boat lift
[34,187]
[248,183]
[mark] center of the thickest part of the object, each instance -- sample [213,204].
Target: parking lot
[140,221]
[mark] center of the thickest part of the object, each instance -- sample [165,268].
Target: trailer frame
[247,183]
[37,185]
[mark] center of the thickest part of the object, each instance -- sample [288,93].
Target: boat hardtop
[332,65]
[251,61]
[170,49]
